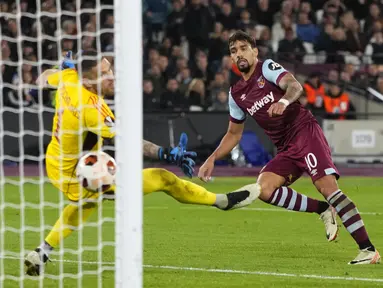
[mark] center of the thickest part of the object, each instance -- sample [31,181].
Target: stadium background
[335,49]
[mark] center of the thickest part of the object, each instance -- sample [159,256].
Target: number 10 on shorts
[311,162]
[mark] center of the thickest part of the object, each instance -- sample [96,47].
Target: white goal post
[128,45]
[29,204]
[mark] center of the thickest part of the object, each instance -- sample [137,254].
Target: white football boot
[34,262]
[366,257]
[243,196]
[329,219]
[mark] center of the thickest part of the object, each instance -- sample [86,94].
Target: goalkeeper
[82,119]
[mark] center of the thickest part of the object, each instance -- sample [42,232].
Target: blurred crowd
[187,63]
[186,58]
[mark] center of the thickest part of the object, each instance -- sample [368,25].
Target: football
[96,171]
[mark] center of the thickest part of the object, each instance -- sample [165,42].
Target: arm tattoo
[293,89]
[150,149]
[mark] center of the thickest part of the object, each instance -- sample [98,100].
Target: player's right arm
[50,77]
[228,142]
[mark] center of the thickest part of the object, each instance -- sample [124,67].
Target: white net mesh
[35,35]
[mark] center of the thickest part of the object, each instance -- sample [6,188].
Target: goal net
[105,250]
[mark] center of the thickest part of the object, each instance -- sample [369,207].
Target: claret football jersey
[254,97]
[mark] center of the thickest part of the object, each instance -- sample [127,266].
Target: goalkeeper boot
[35,261]
[366,256]
[243,196]
[329,219]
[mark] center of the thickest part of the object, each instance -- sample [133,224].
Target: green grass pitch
[261,246]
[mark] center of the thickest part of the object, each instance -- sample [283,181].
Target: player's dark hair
[241,36]
[87,59]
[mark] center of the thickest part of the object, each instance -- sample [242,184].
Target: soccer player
[81,121]
[268,94]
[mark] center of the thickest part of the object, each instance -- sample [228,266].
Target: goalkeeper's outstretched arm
[150,150]
[172,155]
[167,155]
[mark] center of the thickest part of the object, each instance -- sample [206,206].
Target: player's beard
[108,90]
[108,93]
[243,66]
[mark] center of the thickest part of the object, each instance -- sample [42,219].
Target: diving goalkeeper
[81,121]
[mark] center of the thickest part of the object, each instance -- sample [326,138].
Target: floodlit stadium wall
[204,130]
[355,140]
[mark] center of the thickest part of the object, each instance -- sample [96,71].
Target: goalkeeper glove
[179,156]
[67,62]
[187,166]
[176,154]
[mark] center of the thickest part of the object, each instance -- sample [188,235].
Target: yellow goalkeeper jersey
[82,119]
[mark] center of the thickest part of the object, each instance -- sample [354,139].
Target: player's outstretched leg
[351,219]
[65,225]
[272,192]
[157,180]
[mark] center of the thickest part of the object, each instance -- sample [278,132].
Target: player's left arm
[178,155]
[168,155]
[293,89]
[150,149]
[276,74]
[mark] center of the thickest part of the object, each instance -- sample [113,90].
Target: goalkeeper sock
[46,249]
[222,201]
[68,221]
[156,180]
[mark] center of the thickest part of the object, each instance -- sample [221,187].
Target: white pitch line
[265,273]
[244,209]
[224,271]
